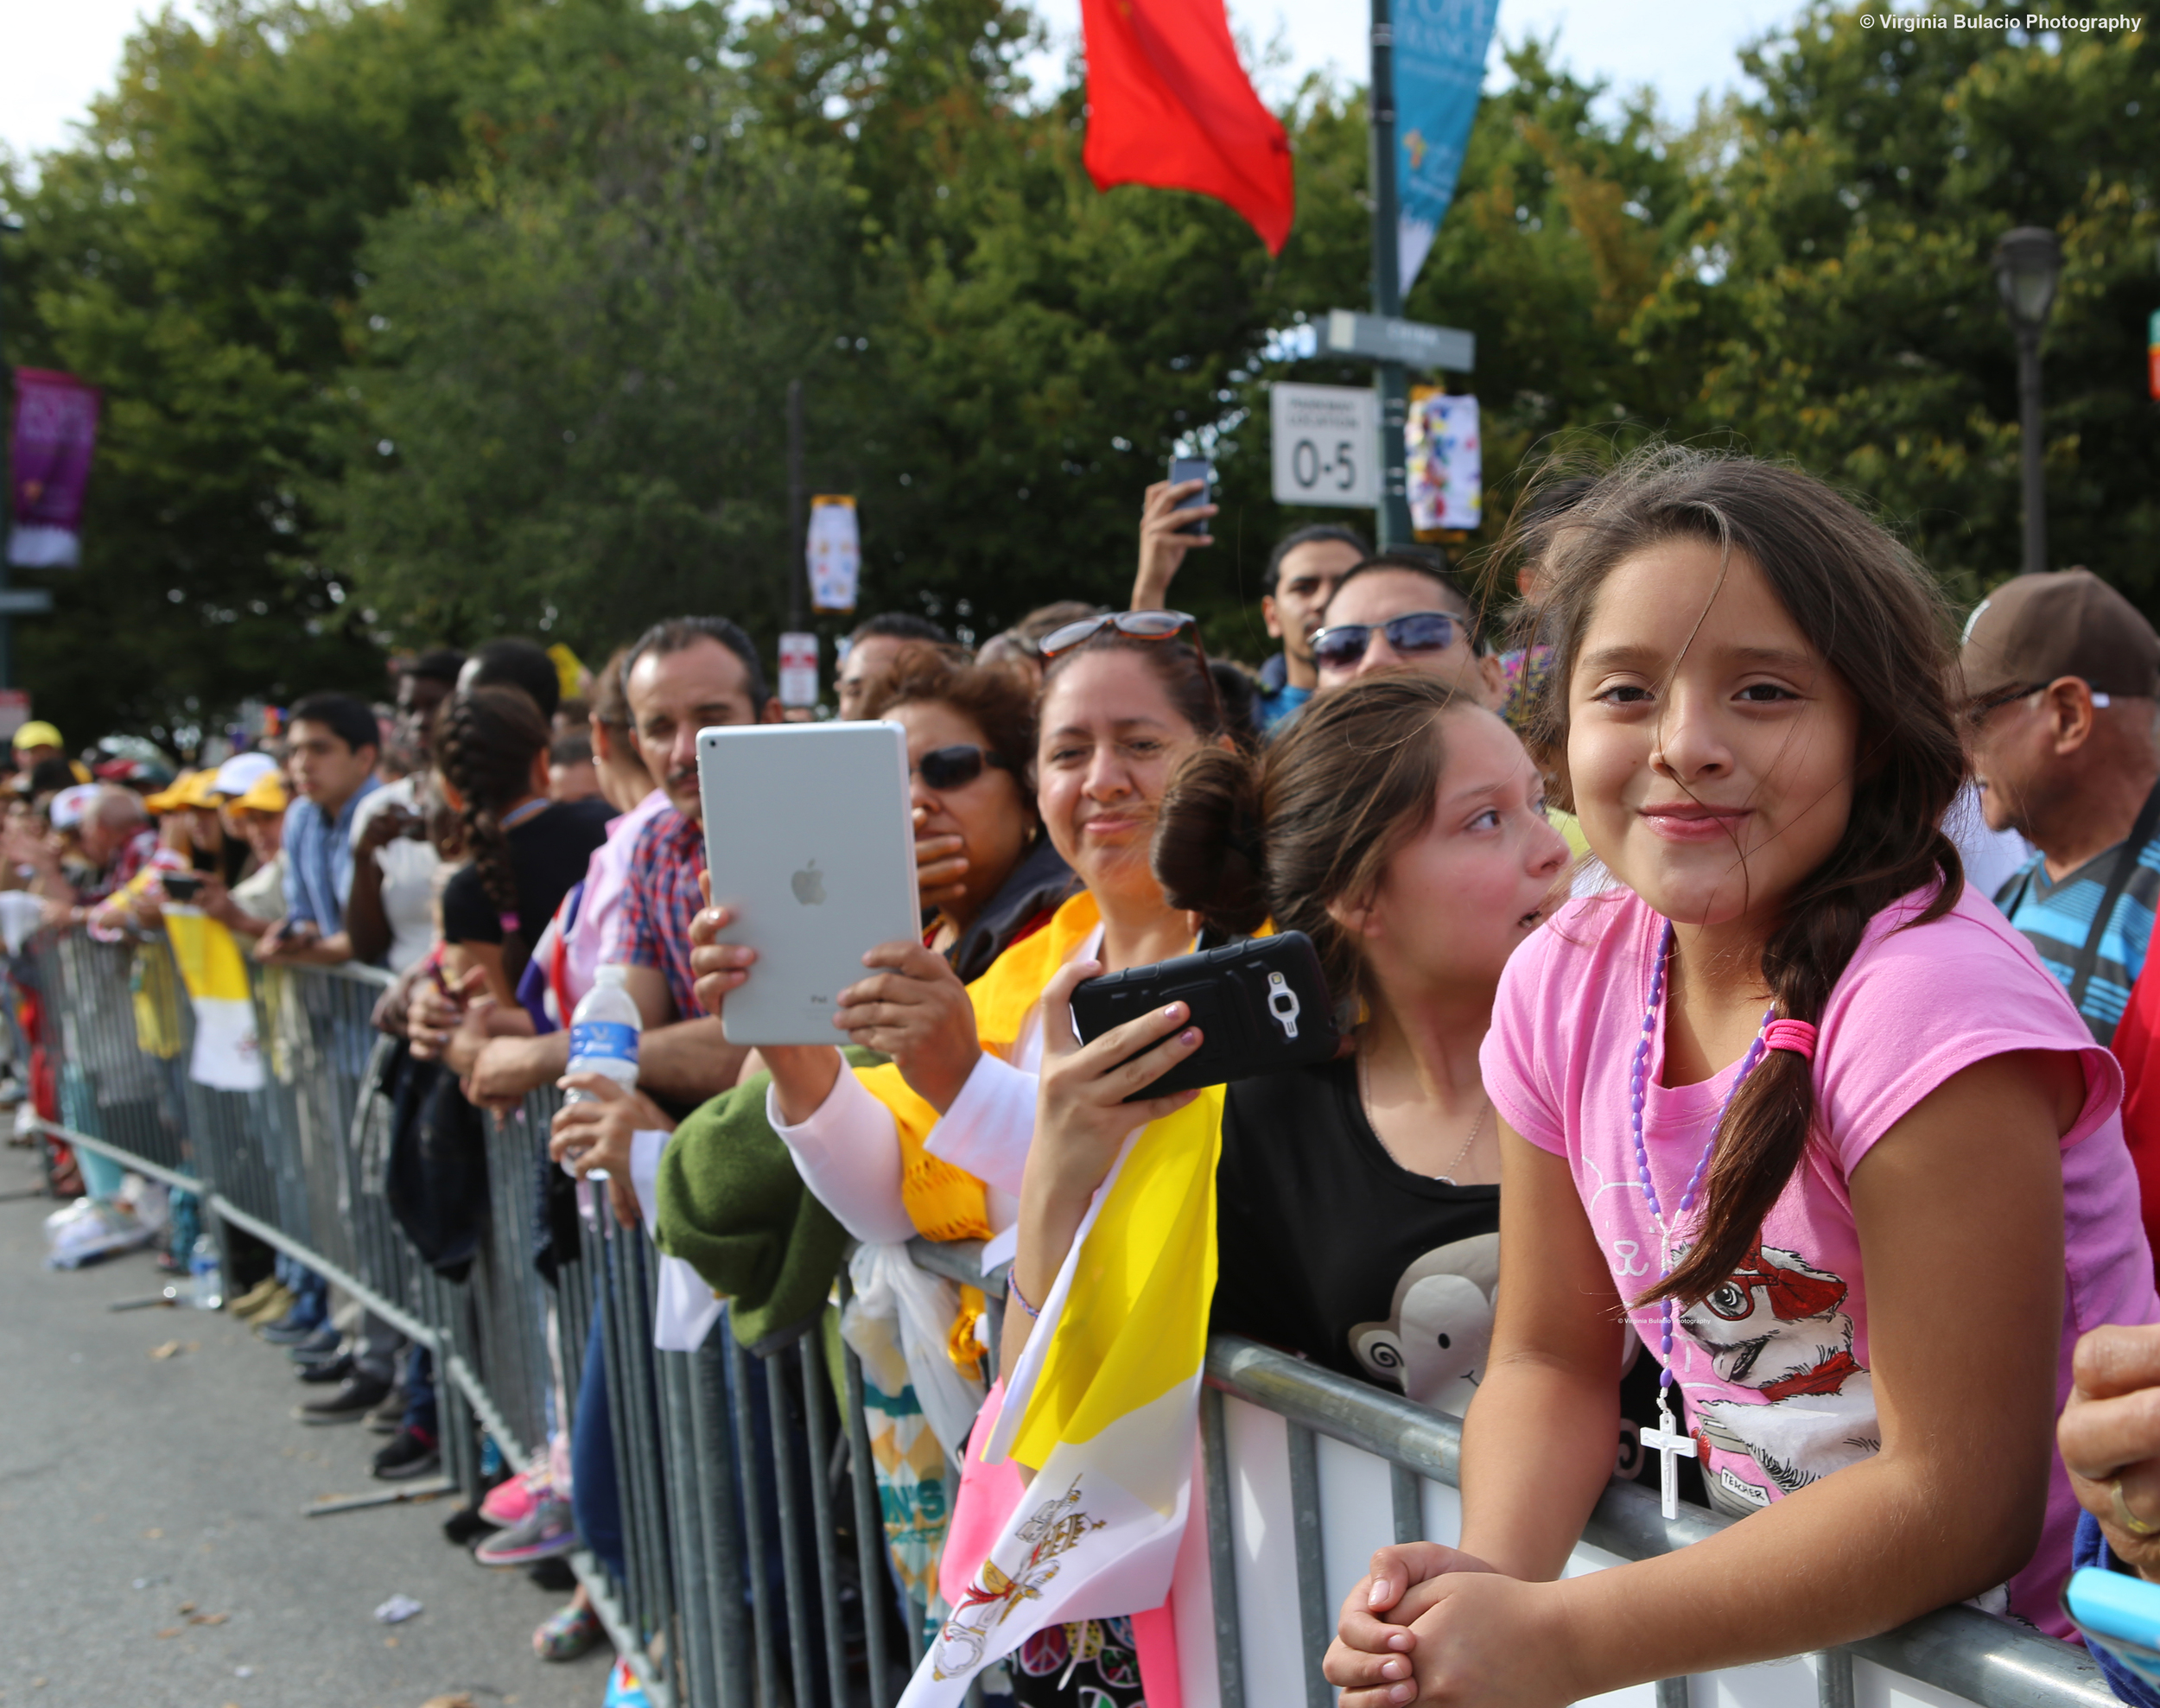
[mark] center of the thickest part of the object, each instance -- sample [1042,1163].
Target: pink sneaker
[550,1531]
[510,1501]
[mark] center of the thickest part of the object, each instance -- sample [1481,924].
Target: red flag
[2137,1048]
[1168,104]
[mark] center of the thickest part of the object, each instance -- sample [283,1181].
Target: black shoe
[353,1400]
[411,1454]
[465,1526]
[324,1342]
[331,1369]
[388,1418]
[290,1332]
[554,1575]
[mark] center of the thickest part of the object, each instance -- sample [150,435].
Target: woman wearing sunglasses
[1125,696]
[983,867]
[1403,610]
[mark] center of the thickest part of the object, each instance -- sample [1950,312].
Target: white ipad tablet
[809,840]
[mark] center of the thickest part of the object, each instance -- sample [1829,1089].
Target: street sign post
[798,669]
[1383,338]
[1326,441]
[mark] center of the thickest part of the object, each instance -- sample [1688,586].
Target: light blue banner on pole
[1439,59]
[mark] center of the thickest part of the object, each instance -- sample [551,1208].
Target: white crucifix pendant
[1673,1446]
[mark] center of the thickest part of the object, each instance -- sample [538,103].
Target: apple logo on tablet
[809,884]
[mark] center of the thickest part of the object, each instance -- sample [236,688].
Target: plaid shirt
[651,926]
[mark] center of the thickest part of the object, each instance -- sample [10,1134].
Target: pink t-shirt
[605,874]
[1773,1365]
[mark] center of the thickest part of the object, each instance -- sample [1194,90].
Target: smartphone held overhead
[1261,1005]
[1183,469]
[810,845]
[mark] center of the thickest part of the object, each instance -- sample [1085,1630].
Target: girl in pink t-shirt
[1792,1109]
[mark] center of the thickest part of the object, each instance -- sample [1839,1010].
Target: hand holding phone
[1261,1006]
[1182,471]
[1167,532]
[181,887]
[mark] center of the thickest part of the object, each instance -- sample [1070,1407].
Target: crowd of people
[1741,981]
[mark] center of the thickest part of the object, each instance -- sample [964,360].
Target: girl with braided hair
[1787,1099]
[523,851]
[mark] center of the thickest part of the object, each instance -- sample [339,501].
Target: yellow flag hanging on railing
[1104,1403]
[227,1054]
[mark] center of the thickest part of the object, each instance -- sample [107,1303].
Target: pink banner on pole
[56,431]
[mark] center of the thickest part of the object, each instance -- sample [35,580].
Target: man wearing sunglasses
[1402,610]
[2062,683]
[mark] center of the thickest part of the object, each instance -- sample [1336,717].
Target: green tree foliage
[1839,308]
[565,409]
[190,256]
[427,318]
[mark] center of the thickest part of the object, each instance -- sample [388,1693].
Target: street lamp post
[2028,263]
[10,227]
[1391,378]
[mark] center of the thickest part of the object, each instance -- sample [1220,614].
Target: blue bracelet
[1013,1286]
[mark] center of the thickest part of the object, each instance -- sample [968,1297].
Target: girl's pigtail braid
[485,743]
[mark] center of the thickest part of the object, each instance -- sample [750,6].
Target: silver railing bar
[126,1159]
[454,1367]
[586,1567]
[1959,1649]
[396,1315]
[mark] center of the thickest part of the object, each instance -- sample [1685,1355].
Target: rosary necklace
[1670,1444]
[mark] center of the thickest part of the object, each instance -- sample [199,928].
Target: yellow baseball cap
[38,734]
[266,794]
[169,798]
[190,789]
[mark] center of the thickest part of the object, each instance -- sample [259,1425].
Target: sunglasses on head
[1343,645]
[956,766]
[1135,625]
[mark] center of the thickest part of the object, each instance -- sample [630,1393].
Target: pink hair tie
[1796,1036]
[509,922]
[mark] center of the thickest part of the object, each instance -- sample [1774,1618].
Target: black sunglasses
[1343,645]
[956,766]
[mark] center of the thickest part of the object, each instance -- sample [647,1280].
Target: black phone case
[1200,470]
[1262,1005]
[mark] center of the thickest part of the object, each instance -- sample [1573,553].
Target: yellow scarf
[945,1202]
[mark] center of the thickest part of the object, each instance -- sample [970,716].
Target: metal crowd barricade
[754,1571]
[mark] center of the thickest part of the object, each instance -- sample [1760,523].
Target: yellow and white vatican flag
[1104,1403]
[228,1055]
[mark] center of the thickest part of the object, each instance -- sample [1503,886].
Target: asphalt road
[138,1494]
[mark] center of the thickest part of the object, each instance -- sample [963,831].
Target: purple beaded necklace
[1666,1440]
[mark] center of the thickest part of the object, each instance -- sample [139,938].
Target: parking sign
[1327,445]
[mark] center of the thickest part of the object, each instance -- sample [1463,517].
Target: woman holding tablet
[1126,697]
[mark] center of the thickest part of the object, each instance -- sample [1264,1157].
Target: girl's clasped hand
[1429,1624]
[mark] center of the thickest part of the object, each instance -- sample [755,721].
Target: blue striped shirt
[2057,917]
[319,861]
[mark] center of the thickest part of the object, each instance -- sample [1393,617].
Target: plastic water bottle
[204,1273]
[604,1033]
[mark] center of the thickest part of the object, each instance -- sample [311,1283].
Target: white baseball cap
[69,806]
[242,772]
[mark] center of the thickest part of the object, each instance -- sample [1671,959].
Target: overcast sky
[61,53]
